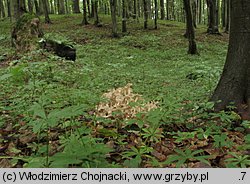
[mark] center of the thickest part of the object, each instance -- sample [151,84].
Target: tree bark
[190,28]
[84,20]
[30,6]
[162,9]
[113,4]
[156,13]
[167,9]
[46,11]
[2,9]
[61,7]
[145,8]
[227,15]
[41,10]
[52,9]
[37,7]
[95,11]
[194,12]
[76,6]
[124,16]
[234,84]
[213,27]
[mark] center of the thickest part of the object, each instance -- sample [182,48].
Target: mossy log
[58,45]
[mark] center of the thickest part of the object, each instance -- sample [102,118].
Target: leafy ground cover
[50,108]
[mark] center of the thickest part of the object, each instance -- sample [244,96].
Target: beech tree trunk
[234,84]
[95,11]
[76,6]
[61,7]
[84,20]
[213,27]
[190,28]
[2,9]
[227,6]
[162,9]
[124,17]
[113,4]
[145,6]
[156,13]
[46,11]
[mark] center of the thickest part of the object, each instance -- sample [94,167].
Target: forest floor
[135,101]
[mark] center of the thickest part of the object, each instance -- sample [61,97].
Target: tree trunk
[61,7]
[162,9]
[84,20]
[234,84]
[213,27]
[52,9]
[88,5]
[46,11]
[113,4]
[30,6]
[8,8]
[194,12]
[145,5]
[223,13]
[76,6]
[135,9]
[41,10]
[124,17]
[227,15]
[96,17]
[156,13]
[92,8]
[190,28]
[167,9]
[2,9]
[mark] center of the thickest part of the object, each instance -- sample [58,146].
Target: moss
[59,39]
[24,19]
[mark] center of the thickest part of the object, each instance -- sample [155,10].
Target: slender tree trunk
[66,6]
[8,8]
[118,8]
[92,8]
[156,13]
[96,17]
[135,9]
[37,7]
[2,9]
[52,9]
[213,27]
[76,6]
[61,7]
[41,10]
[30,6]
[124,17]
[167,9]
[190,28]
[162,9]
[113,5]
[223,13]
[84,20]
[227,15]
[173,10]
[89,9]
[46,12]
[234,84]
[194,12]
[145,5]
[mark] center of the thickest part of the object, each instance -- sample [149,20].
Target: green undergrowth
[47,104]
